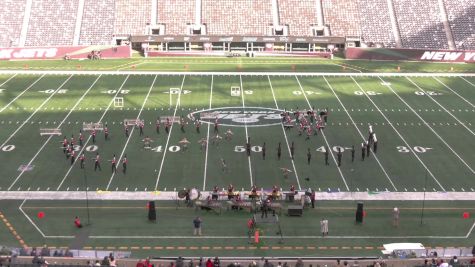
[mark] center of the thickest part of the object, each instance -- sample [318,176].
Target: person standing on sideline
[396,217]
[363,151]
[324,227]
[279,151]
[197,226]
[97,163]
[124,164]
[264,151]
[309,156]
[326,155]
[375,144]
[77,222]
[352,153]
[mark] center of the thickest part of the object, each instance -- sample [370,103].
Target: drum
[194,194]
[182,193]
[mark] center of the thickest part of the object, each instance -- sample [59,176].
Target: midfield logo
[239,116]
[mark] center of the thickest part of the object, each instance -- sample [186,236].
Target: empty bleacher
[342,16]
[52,23]
[375,23]
[299,15]
[461,16]
[419,24]
[237,17]
[131,17]
[97,25]
[183,13]
[11,19]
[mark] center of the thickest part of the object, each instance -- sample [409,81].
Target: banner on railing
[65,52]
[432,55]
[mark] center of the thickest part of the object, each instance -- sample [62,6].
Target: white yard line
[132,131]
[325,138]
[469,82]
[361,134]
[427,124]
[285,135]
[170,133]
[89,138]
[446,86]
[245,127]
[207,136]
[8,79]
[29,219]
[24,91]
[446,110]
[51,136]
[36,110]
[399,134]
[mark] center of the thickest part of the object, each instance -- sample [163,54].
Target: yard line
[170,133]
[361,134]
[400,136]
[207,136]
[37,109]
[29,219]
[24,91]
[51,136]
[446,86]
[245,127]
[285,134]
[8,79]
[324,137]
[89,138]
[467,81]
[446,110]
[132,131]
[427,124]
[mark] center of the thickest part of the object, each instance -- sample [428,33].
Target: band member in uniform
[275,192]
[216,125]
[114,164]
[124,164]
[141,125]
[126,131]
[326,155]
[279,151]
[106,133]
[368,148]
[216,139]
[309,156]
[197,125]
[248,147]
[338,156]
[292,193]
[224,167]
[69,151]
[253,194]
[309,132]
[352,153]
[375,144]
[82,158]
[146,142]
[182,124]
[157,125]
[167,125]
[203,143]
[371,134]
[264,151]
[93,135]
[65,145]
[73,156]
[228,135]
[215,193]
[97,163]
[184,144]
[72,142]
[363,151]
[81,138]
[292,149]
[230,191]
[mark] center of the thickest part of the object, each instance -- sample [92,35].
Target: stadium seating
[419,24]
[183,13]
[131,17]
[11,19]
[52,23]
[237,17]
[299,15]
[375,23]
[343,17]
[97,22]
[461,15]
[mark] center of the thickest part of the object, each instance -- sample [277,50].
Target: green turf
[444,146]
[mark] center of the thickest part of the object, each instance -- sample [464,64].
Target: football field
[425,127]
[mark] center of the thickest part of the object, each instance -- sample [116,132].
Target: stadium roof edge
[367,74]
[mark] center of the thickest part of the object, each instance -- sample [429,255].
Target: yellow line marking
[158,248]
[240,248]
[204,247]
[193,248]
[146,248]
[264,248]
[323,248]
[310,247]
[99,247]
[334,247]
[181,248]
[299,248]
[217,248]
[287,248]
[87,247]
[345,247]
[252,247]
[228,248]
[357,248]
[369,247]
[275,247]
[169,248]
[123,247]
[111,248]
[380,247]
[63,247]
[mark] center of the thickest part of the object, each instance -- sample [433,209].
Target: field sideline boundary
[200,73]
[172,195]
